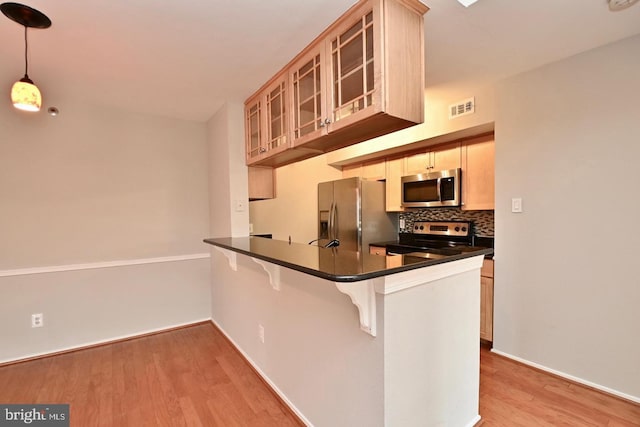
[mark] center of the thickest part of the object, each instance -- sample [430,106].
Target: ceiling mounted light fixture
[467,3]
[25,95]
[616,5]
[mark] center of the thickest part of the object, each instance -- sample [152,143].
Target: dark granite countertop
[332,263]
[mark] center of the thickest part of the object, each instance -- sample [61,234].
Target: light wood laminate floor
[194,377]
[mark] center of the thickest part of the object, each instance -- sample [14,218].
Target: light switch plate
[516,205]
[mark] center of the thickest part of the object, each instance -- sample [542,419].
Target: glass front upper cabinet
[361,78]
[277,116]
[308,98]
[267,122]
[253,129]
[352,59]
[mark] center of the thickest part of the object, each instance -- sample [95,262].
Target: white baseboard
[569,377]
[264,376]
[102,264]
[475,421]
[111,340]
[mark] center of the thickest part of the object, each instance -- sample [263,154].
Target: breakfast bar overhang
[401,348]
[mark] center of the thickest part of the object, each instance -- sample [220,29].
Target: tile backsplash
[482,220]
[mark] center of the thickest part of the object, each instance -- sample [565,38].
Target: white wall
[294,211]
[93,186]
[228,184]
[84,307]
[96,184]
[567,288]
[331,384]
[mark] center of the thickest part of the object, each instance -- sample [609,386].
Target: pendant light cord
[26,48]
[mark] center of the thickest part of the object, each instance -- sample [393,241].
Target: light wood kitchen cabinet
[394,170]
[308,91]
[374,170]
[474,156]
[352,171]
[486,300]
[377,250]
[266,122]
[444,157]
[361,78]
[478,177]
[261,183]
[394,261]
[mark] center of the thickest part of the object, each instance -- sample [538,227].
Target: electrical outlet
[261,333]
[37,320]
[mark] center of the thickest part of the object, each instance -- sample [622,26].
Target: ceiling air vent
[462,108]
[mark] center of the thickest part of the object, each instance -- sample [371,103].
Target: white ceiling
[184,58]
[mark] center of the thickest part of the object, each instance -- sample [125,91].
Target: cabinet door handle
[263,150]
[324,123]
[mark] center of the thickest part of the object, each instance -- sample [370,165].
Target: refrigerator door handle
[335,221]
[330,228]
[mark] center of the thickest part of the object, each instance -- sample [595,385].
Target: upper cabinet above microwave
[361,78]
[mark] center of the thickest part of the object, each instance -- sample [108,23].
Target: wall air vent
[462,108]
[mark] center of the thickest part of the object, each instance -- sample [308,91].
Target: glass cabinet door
[253,130]
[276,101]
[306,83]
[353,69]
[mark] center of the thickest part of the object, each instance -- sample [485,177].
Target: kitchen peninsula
[414,360]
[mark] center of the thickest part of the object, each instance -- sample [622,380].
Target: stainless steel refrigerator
[352,212]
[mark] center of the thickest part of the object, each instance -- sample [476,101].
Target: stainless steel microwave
[433,189]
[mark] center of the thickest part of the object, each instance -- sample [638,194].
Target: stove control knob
[457,228]
[416,227]
[464,229]
[422,227]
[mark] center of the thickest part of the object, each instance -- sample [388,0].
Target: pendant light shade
[25,95]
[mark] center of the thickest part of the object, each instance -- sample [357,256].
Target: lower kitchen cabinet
[377,250]
[486,300]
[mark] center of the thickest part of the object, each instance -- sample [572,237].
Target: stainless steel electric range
[437,239]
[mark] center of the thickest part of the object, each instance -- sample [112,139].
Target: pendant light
[25,95]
